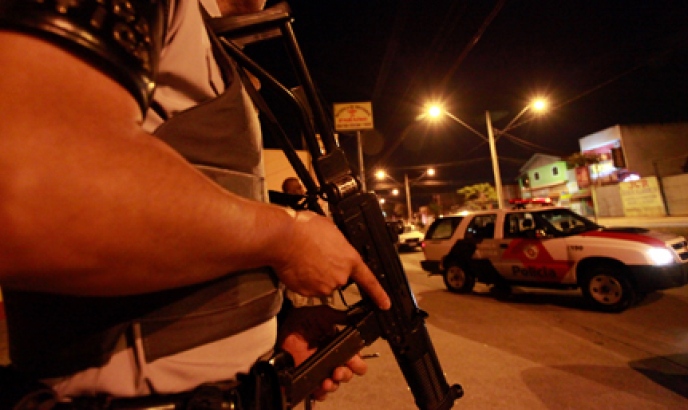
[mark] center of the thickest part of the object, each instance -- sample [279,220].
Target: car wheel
[608,288]
[457,279]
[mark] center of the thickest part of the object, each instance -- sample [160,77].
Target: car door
[530,252]
[481,231]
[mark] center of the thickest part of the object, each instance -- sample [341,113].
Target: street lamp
[538,105]
[381,175]
[495,160]
[407,185]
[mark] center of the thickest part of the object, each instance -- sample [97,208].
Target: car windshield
[443,228]
[564,222]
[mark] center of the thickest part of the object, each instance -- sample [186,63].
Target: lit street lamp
[434,111]
[381,175]
[407,185]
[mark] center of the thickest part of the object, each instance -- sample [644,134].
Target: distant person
[295,197]
[292,185]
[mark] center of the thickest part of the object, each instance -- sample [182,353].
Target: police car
[553,247]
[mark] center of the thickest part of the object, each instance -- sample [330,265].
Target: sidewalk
[673,224]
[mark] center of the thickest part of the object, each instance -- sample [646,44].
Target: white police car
[553,247]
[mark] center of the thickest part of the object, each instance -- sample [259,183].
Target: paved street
[539,350]
[535,350]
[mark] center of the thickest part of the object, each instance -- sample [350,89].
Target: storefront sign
[642,197]
[353,116]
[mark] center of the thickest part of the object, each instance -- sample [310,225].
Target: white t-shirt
[188,73]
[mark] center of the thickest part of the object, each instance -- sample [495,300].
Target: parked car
[410,238]
[553,247]
[405,236]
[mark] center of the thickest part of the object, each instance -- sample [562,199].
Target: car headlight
[660,256]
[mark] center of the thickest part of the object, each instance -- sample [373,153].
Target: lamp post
[435,111]
[495,160]
[380,175]
[407,185]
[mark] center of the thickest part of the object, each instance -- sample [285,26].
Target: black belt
[258,390]
[205,397]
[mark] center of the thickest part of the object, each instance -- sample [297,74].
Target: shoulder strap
[271,121]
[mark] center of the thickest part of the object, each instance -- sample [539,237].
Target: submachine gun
[357,214]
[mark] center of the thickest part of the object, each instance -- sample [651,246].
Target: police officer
[138,256]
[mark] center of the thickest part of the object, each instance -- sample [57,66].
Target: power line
[471,44]
[453,164]
[531,145]
[467,49]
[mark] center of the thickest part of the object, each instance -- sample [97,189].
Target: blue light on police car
[660,256]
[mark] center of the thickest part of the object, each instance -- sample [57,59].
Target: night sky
[599,63]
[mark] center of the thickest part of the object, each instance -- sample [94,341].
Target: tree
[478,196]
[580,159]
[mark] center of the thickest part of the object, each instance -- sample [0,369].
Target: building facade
[634,170]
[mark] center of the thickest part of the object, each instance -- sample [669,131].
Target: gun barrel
[403,326]
[423,373]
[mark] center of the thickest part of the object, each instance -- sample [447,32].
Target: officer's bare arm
[91,204]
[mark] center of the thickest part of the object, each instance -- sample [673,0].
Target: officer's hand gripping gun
[358,216]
